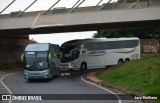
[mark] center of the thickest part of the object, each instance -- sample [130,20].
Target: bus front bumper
[36,74]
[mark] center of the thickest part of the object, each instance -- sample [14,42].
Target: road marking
[5,85]
[119,100]
[129,101]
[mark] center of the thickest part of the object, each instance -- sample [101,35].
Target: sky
[55,38]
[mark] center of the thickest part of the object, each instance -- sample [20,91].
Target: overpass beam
[7,6]
[51,7]
[26,8]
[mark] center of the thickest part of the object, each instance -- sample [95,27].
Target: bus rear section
[41,61]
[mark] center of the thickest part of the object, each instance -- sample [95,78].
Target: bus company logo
[6,97]
[97,52]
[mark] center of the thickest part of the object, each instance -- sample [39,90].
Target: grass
[141,76]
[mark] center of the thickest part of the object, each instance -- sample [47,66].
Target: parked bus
[41,61]
[98,52]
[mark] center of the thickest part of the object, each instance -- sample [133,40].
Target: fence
[11,50]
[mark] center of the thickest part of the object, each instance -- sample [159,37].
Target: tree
[156,33]
[142,33]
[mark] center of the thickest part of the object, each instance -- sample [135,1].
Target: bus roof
[37,47]
[109,39]
[72,42]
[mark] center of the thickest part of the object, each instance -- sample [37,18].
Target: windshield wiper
[33,64]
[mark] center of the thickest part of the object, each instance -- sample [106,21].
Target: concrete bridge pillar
[11,50]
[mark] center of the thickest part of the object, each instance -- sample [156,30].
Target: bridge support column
[11,50]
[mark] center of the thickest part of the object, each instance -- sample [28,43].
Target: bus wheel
[120,61]
[127,60]
[29,80]
[84,66]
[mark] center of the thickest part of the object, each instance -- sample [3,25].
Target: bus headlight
[69,65]
[26,73]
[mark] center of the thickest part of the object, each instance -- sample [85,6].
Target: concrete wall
[150,46]
[11,50]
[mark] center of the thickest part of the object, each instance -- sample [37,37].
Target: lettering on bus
[97,52]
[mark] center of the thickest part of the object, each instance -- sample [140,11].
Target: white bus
[98,52]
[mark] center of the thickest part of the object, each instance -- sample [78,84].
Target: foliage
[140,76]
[144,33]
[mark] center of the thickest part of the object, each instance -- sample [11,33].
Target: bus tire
[120,61]
[127,60]
[29,80]
[58,72]
[83,66]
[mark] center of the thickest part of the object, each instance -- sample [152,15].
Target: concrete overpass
[107,16]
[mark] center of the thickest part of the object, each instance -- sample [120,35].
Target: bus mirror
[49,57]
[22,57]
[83,51]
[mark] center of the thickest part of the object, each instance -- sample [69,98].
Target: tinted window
[123,44]
[110,45]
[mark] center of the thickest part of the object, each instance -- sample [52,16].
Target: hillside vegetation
[141,76]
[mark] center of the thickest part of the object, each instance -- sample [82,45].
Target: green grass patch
[141,76]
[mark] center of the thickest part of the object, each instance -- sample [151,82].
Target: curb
[3,88]
[92,78]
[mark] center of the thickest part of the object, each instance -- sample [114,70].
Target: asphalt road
[69,84]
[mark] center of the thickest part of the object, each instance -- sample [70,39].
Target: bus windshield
[36,60]
[70,52]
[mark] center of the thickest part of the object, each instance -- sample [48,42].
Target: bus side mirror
[49,57]
[22,57]
[83,51]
